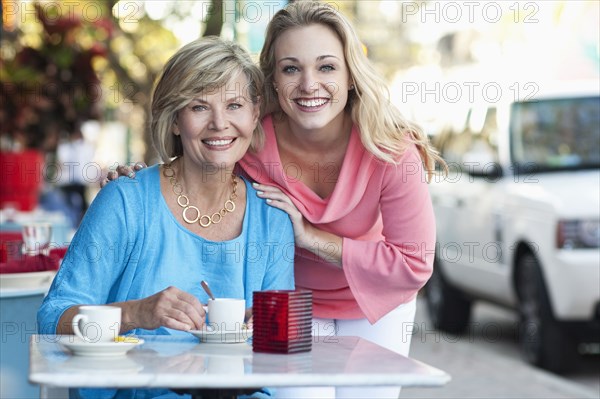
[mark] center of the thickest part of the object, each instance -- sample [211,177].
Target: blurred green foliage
[65,63]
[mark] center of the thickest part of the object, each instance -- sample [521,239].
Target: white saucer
[97,349]
[225,337]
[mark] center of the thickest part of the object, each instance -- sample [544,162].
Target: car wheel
[543,340]
[448,308]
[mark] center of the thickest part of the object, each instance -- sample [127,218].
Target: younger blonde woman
[352,174]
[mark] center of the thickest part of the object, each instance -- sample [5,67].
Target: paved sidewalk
[479,372]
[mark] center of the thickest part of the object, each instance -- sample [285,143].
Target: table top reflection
[181,362]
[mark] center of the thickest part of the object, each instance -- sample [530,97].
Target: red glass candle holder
[282,321]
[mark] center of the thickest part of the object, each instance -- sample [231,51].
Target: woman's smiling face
[311,76]
[216,127]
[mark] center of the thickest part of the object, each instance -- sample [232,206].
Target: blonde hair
[383,130]
[200,66]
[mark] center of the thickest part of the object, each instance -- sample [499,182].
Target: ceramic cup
[97,323]
[226,314]
[36,238]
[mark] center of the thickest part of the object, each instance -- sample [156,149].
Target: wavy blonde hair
[202,65]
[383,130]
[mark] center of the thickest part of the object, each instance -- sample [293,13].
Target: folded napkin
[37,263]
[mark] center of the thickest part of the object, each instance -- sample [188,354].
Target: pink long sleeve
[386,271]
[384,214]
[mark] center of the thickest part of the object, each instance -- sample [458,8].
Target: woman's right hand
[171,308]
[122,170]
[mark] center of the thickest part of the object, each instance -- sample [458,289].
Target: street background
[486,363]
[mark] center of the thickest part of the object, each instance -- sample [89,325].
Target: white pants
[390,332]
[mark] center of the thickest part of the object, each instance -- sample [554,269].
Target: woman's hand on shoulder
[122,170]
[171,308]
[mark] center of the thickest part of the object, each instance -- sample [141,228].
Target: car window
[556,134]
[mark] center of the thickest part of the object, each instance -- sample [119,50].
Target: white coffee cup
[226,314]
[97,323]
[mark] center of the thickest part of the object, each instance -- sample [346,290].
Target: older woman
[146,244]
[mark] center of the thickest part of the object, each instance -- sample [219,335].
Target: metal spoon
[207,289]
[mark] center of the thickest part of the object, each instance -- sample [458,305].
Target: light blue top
[130,246]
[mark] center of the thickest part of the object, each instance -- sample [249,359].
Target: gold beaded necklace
[184,202]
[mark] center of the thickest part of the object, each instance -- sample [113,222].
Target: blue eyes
[291,68]
[232,106]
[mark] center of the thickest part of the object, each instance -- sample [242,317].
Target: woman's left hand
[276,198]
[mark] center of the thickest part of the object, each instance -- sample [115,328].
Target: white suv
[518,220]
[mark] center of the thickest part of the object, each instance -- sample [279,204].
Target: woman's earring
[351,87]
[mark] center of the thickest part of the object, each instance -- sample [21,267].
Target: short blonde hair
[384,131]
[205,64]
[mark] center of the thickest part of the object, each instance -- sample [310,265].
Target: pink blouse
[384,214]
